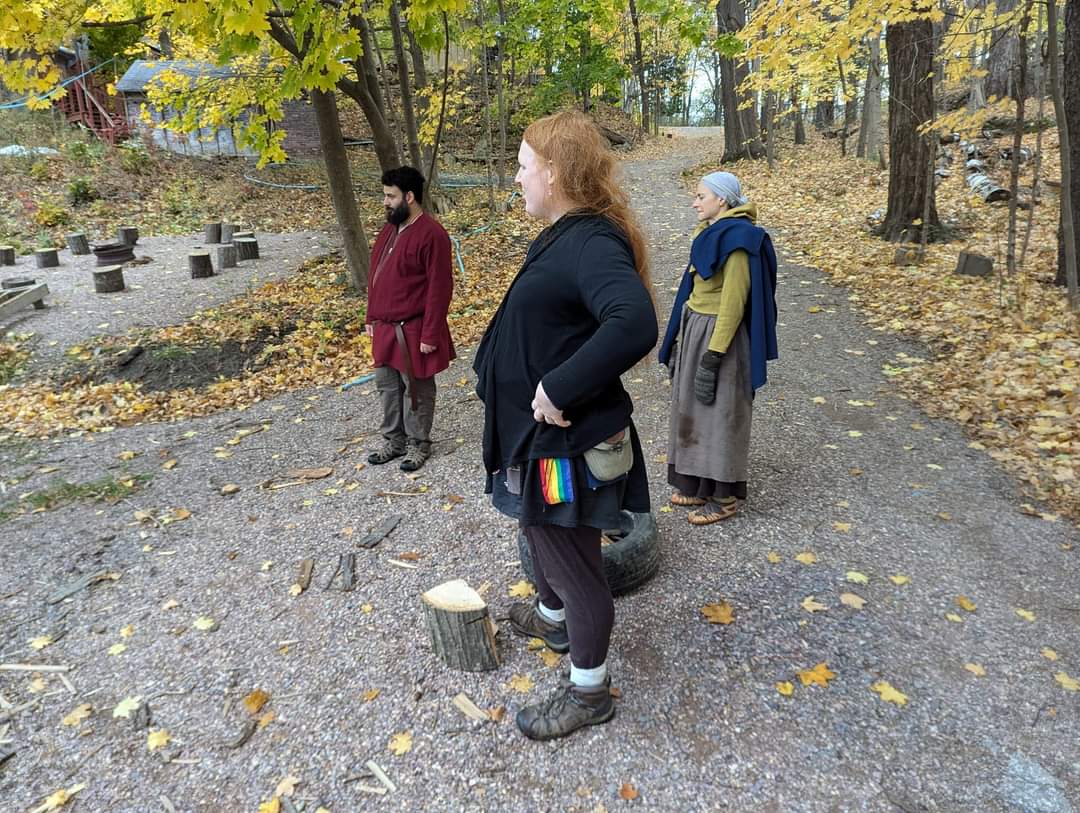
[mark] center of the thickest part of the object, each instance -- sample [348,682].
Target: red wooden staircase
[89,104]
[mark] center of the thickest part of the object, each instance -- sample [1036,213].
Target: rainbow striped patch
[556,480]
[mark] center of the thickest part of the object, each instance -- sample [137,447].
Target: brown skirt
[709,446]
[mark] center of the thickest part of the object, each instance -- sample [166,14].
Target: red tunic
[413,285]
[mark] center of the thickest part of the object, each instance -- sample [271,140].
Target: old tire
[629,561]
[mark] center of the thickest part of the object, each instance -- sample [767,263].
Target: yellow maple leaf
[366,608]
[521,683]
[127,455]
[841,527]
[773,557]
[287,786]
[954,618]
[126,706]
[158,738]
[899,579]
[820,675]
[128,631]
[57,799]
[370,695]
[77,714]
[818,399]
[975,669]
[964,603]
[255,700]
[719,613]
[401,743]
[1067,683]
[522,589]
[785,687]
[855,577]
[169,464]
[1027,615]
[889,694]
[535,644]
[180,514]
[273,806]
[806,557]
[852,600]
[40,642]
[37,685]
[550,659]
[116,649]
[205,623]
[267,718]
[1048,653]
[812,605]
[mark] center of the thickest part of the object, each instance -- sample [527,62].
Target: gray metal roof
[142,71]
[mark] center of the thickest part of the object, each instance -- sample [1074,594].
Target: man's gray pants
[401,423]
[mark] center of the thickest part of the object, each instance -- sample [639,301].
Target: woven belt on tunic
[399,332]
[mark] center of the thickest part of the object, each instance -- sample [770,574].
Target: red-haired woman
[561,452]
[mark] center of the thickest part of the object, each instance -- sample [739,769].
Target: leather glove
[706,375]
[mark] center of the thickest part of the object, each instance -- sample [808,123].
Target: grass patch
[108,489]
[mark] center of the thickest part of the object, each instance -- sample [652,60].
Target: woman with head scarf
[721,333]
[560,450]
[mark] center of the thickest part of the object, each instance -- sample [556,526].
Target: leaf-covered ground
[1003,353]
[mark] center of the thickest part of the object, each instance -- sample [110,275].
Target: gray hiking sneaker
[385,453]
[415,456]
[525,619]
[568,709]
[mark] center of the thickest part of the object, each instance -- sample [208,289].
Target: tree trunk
[870,130]
[848,111]
[717,95]
[639,67]
[911,103]
[1002,59]
[1066,95]
[797,114]
[741,137]
[499,67]
[1018,135]
[420,80]
[769,115]
[367,94]
[824,114]
[405,88]
[485,98]
[339,176]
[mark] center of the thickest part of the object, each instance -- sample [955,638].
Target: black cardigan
[577,316]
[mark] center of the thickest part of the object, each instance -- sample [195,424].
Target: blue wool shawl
[708,253]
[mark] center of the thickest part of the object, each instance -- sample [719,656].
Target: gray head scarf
[725,185]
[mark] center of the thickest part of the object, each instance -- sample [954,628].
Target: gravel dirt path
[880,490]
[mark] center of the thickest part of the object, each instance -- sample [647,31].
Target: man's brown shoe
[525,619]
[570,708]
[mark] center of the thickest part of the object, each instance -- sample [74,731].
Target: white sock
[554,616]
[588,677]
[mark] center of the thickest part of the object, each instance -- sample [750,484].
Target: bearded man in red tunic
[409,294]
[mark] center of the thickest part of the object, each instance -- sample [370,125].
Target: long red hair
[586,174]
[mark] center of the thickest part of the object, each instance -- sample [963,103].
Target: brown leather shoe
[568,709]
[525,619]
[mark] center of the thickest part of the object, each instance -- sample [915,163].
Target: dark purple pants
[569,568]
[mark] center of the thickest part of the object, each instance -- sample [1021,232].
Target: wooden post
[200,265]
[226,257]
[7,255]
[78,243]
[128,235]
[462,632]
[109,280]
[212,233]
[46,258]
[227,230]
[247,248]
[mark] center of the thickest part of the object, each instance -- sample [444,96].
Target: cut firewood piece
[247,248]
[311,474]
[109,280]
[7,255]
[380,532]
[46,258]
[128,235]
[211,232]
[200,265]
[226,256]
[986,188]
[467,707]
[227,232]
[462,632]
[78,243]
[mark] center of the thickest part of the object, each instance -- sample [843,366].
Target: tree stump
[112,254]
[236,235]
[11,283]
[227,231]
[974,265]
[462,632]
[247,248]
[128,235]
[109,280]
[212,233]
[7,255]
[46,258]
[200,265]
[226,257]
[78,243]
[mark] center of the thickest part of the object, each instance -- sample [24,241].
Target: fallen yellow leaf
[287,786]
[169,464]
[773,557]
[273,806]
[170,604]
[522,589]
[550,659]
[77,714]
[818,399]
[899,579]
[126,706]
[256,700]
[205,623]
[855,577]
[954,618]
[785,687]
[719,613]
[401,743]
[975,669]
[57,799]
[889,694]
[1027,615]
[1048,653]
[116,649]
[842,527]
[1067,683]
[812,605]
[819,675]
[370,695]
[128,631]
[40,642]
[964,603]
[852,600]
[806,557]
[521,683]
[157,738]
